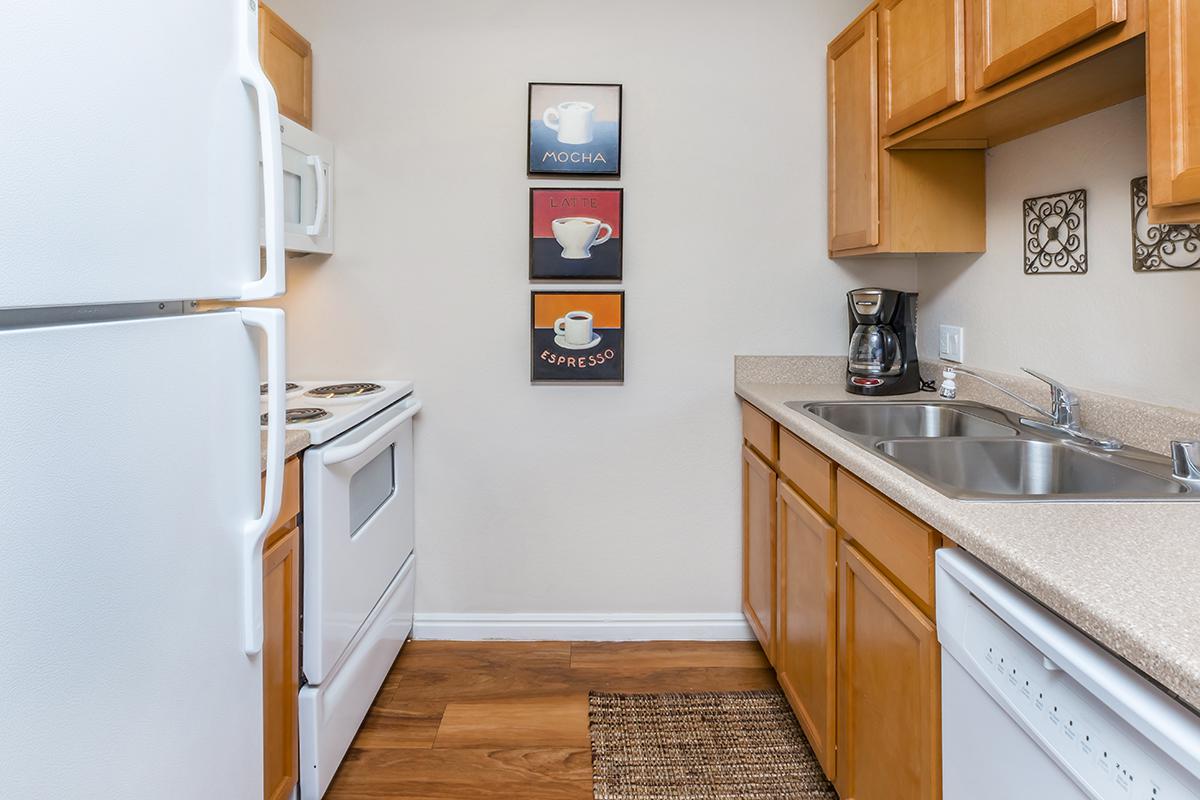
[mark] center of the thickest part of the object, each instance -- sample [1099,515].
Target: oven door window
[371,487]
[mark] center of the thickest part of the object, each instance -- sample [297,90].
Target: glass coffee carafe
[875,350]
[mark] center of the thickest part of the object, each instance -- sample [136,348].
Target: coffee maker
[883,342]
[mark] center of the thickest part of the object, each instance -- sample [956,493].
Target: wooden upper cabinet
[889,724]
[287,58]
[1173,107]
[1011,35]
[852,69]
[806,650]
[758,548]
[921,44]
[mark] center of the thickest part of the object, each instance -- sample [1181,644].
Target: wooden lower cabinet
[281,663]
[889,718]
[281,643]
[758,548]
[806,649]
[837,584]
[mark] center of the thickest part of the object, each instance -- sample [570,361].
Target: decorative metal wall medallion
[1160,247]
[1056,234]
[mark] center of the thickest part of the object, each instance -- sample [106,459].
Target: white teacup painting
[575,234]
[575,128]
[573,122]
[577,336]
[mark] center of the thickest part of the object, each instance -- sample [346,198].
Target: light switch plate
[950,343]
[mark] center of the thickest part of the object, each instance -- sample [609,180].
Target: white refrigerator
[135,139]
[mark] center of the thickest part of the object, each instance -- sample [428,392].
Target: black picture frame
[611,371]
[613,172]
[601,273]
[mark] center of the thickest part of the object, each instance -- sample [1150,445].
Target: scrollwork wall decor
[1160,248]
[1056,234]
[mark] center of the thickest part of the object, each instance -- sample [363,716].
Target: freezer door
[132,138]
[129,474]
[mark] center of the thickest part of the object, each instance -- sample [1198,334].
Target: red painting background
[550,204]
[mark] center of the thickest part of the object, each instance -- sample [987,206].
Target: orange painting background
[604,308]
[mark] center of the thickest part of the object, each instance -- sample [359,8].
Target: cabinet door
[281,664]
[806,650]
[888,697]
[758,548]
[922,52]
[1173,101]
[1011,35]
[851,65]
[286,57]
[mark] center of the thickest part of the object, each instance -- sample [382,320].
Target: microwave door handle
[271,322]
[318,223]
[271,283]
[336,455]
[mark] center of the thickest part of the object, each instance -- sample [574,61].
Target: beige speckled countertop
[294,442]
[1128,574]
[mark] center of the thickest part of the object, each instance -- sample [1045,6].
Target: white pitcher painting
[574,128]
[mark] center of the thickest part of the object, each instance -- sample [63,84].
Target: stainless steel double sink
[971,451]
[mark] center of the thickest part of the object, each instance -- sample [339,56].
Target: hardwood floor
[509,719]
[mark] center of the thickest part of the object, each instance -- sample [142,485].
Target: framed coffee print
[574,129]
[575,234]
[577,337]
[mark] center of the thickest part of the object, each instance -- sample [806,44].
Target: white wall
[1111,330]
[564,499]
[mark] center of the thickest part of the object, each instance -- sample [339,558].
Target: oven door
[307,190]
[358,530]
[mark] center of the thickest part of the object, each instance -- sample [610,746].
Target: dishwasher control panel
[1101,752]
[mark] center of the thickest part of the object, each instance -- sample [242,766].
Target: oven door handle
[336,455]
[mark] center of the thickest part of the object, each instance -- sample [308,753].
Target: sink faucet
[1063,413]
[1186,458]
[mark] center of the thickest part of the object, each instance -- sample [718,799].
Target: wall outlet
[950,343]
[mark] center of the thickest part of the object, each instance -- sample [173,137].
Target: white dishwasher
[1034,710]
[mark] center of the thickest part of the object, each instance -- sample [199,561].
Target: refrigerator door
[130,473]
[132,140]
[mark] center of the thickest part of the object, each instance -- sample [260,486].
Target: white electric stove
[358,561]
[329,408]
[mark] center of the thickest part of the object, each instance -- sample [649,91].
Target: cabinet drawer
[760,431]
[811,472]
[901,544]
[289,506]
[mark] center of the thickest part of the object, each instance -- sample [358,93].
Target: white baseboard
[582,627]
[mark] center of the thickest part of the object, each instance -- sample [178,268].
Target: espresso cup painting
[575,234]
[574,331]
[577,337]
[574,128]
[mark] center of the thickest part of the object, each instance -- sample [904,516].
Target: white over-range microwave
[307,190]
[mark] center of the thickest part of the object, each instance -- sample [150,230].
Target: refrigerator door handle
[318,222]
[271,322]
[271,284]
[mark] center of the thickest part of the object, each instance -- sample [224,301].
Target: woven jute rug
[704,746]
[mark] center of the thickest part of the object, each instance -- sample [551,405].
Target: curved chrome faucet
[1186,458]
[1064,409]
